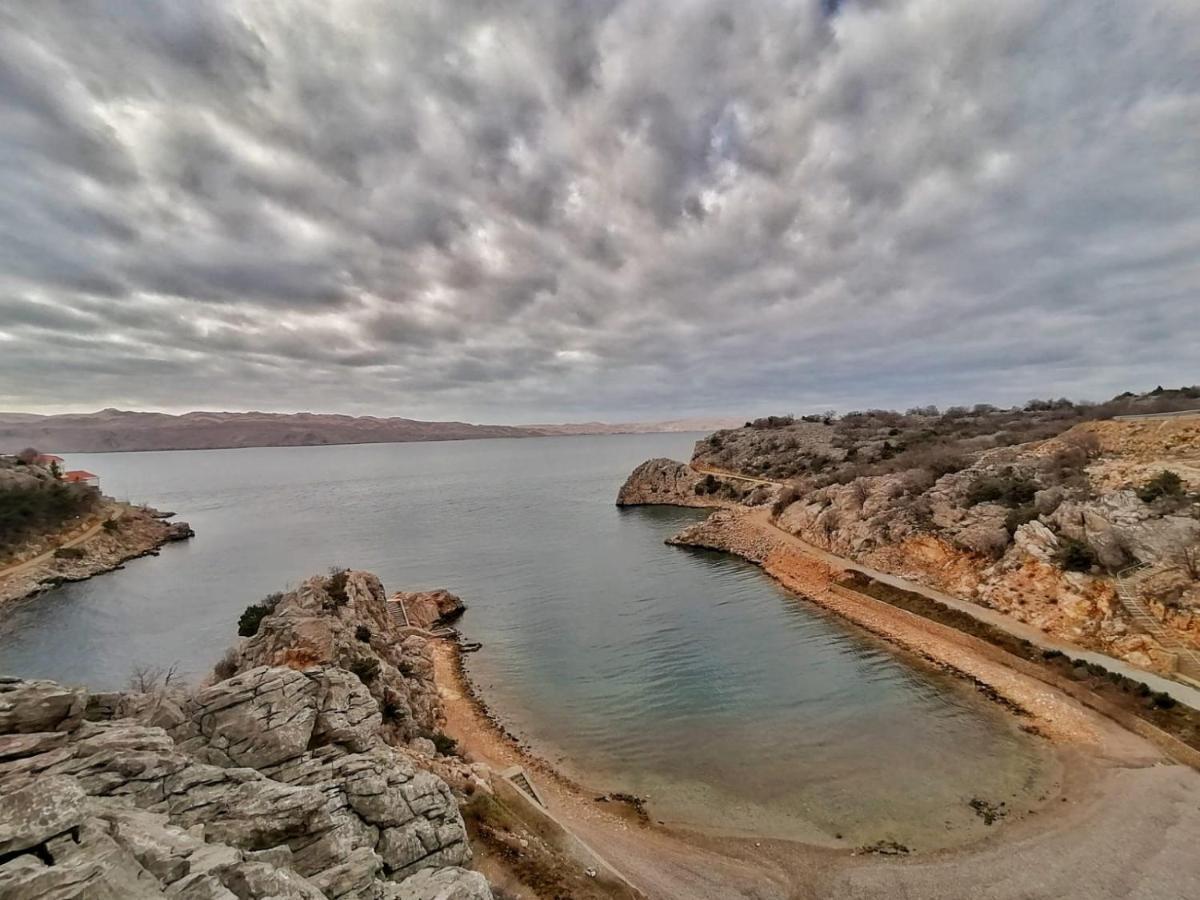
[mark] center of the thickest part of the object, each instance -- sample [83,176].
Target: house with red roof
[81,476]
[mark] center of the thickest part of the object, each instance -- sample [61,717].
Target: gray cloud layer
[534,210]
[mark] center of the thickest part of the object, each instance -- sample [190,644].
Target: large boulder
[40,810]
[442,884]
[28,706]
[662,481]
[428,608]
[258,718]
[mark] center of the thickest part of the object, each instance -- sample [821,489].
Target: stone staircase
[1129,591]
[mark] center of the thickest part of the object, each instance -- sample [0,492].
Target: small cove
[686,676]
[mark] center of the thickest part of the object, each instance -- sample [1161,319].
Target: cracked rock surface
[275,783]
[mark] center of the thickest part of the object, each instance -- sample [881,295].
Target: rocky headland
[307,768]
[1041,531]
[53,532]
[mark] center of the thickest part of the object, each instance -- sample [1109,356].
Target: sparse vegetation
[40,507]
[69,553]
[442,742]
[363,633]
[226,666]
[146,679]
[1165,484]
[1009,489]
[1018,516]
[836,450]
[365,669]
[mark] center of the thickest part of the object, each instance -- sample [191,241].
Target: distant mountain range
[114,429]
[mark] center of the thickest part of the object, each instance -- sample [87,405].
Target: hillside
[115,429]
[1031,511]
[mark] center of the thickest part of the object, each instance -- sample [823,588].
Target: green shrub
[1075,556]
[1019,516]
[442,742]
[69,553]
[391,710]
[335,586]
[111,525]
[42,507]
[1165,484]
[254,614]
[1010,490]
[251,618]
[363,633]
[365,669]
[1163,701]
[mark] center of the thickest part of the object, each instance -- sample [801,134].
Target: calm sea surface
[682,675]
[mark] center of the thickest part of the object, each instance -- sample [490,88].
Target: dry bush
[151,679]
[226,666]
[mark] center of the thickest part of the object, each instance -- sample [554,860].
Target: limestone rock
[442,884]
[311,627]
[28,706]
[275,783]
[260,717]
[39,811]
[428,608]
[661,481]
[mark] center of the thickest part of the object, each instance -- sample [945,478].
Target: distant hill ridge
[115,429]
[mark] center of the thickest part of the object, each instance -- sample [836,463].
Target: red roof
[47,458]
[79,475]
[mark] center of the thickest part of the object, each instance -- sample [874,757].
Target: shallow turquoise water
[683,675]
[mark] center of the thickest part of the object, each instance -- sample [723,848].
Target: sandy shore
[1125,825]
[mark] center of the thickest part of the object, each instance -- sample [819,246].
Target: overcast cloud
[523,211]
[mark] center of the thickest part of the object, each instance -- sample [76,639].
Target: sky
[595,209]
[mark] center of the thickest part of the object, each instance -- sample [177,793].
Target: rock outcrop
[1034,530]
[429,608]
[289,779]
[343,620]
[665,481]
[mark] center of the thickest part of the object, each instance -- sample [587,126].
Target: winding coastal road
[1181,692]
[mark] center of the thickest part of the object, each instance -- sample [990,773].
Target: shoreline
[1105,780]
[140,532]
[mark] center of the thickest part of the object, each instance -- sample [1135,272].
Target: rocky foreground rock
[289,779]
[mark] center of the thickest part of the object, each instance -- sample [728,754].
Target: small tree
[28,455]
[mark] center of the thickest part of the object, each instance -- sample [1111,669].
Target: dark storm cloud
[528,210]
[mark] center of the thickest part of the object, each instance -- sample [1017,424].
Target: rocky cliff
[426,609]
[299,774]
[1033,529]
[665,481]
